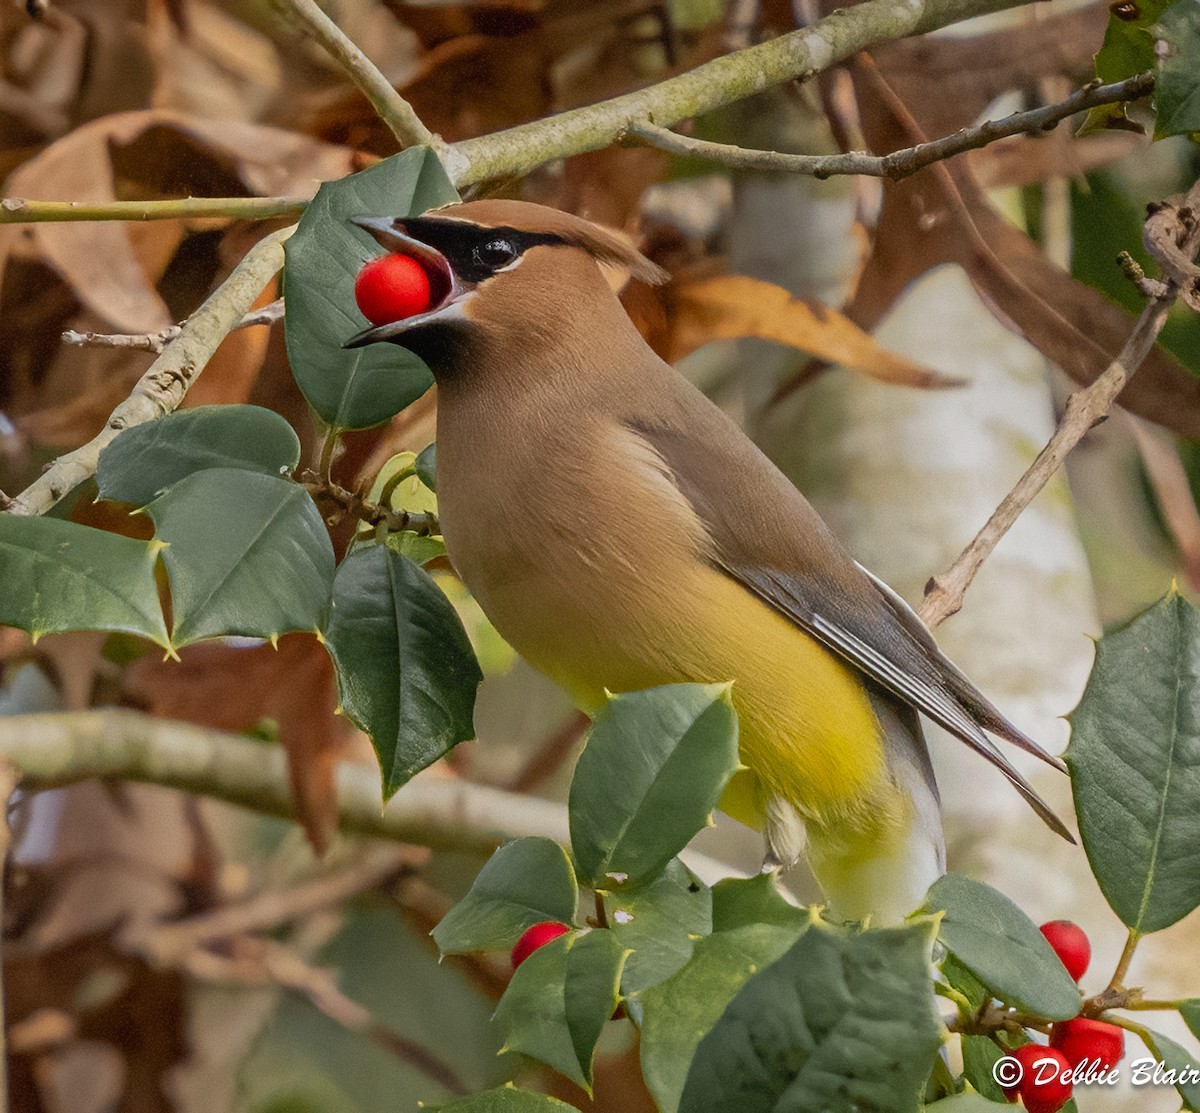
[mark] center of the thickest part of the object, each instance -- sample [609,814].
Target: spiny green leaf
[842,1023]
[738,901]
[1135,766]
[406,672]
[679,1012]
[525,882]
[353,389]
[590,992]
[1002,947]
[246,554]
[146,459]
[559,1000]
[63,576]
[647,781]
[659,924]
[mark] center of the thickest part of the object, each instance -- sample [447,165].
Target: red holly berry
[1041,1087]
[1083,1040]
[392,288]
[1071,945]
[537,936]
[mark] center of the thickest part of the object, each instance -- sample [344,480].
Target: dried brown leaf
[728,307]
[236,688]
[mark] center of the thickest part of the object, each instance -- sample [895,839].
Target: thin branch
[450,814]
[269,964]
[290,971]
[392,108]
[266,911]
[1084,409]
[798,55]
[8,782]
[54,749]
[20,210]
[162,388]
[900,164]
[157,341]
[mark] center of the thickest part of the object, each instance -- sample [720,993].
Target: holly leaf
[1134,759]
[147,459]
[659,925]
[406,672]
[246,554]
[61,576]
[840,1022]
[525,882]
[648,779]
[678,1013]
[559,999]
[1002,947]
[738,902]
[353,389]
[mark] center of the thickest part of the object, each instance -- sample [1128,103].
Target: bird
[622,532]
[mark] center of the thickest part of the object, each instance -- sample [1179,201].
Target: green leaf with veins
[247,554]
[60,576]
[527,881]
[359,387]
[147,459]
[406,672]
[1134,759]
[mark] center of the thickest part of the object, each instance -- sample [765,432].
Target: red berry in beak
[391,289]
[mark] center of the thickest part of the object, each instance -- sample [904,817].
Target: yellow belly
[808,734]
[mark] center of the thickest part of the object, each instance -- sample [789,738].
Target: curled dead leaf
[728,307]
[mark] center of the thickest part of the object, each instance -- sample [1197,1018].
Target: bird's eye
[495,253]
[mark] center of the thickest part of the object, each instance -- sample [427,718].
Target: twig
[20,210]
[899,164]
[161,389]
[263,963]
[269,910]
[798,55]
[944,595]
[157,341]
[9,776]
[357,505]
[392,108]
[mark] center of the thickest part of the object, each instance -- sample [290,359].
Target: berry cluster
[1079,1048]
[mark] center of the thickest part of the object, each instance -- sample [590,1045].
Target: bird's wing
[765,535]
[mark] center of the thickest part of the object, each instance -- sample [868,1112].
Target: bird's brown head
[506,277]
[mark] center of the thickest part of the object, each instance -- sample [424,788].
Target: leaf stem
[1117,981]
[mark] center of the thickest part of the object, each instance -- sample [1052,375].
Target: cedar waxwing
[621,532]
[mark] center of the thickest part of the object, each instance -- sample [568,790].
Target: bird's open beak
[401,236]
